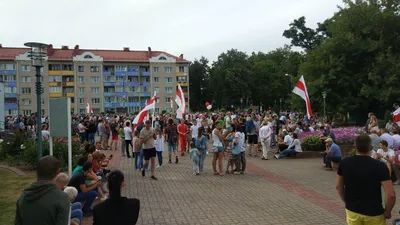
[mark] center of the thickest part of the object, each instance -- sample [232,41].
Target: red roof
[108,55]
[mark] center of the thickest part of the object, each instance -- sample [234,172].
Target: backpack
[172,132]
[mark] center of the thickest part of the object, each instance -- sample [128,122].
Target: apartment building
[109,80]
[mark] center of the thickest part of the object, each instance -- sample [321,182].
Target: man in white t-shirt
[128,137]
[396,138]
[240,135]
[194,129]
[385,155]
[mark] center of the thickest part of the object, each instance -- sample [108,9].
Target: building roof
[64,54]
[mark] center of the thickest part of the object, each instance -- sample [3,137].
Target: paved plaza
[287,191]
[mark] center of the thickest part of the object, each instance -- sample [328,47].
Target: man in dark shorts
[252,135]
[114,134]
[147,137]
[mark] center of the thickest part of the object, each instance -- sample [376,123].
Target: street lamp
[38,56]
[324,93]
[280,105]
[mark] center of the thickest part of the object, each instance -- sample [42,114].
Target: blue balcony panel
[133,84]
[147,73]
[108,105]
[120,73]
[133,104]
[12,83]
[146,94]
[10,95]
[106,73]
[145,84]
[10,106]
[11,72]
[109,84]
[108,94]
[132,73]
[121,94]
[121,83]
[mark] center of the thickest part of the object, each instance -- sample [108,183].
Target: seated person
[89,149]
[386,155]
[86,191]
[78,168]
[332,153]
[116,209]
[76,207]
[98,146]
[287,140]
[61,180]
[293,148]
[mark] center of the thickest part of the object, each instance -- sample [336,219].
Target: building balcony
[55,95]
[180,74]
[11,83]
[69,84]
[8,72]
[10,95]
[109,84]
[146,94]
[132,73]
[108,94]
[182,83]
[145,73]
[67,73]
[133,104]
[121,83]
[133,84]
[54,72]
[145,84]
[109,105]
[10,106]
[120,73]
[72,105]
[121,94]
[54,84]
[69,94]
[108,73]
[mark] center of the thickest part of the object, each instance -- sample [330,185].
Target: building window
[168,69]
[27,101]
[181,69]
[156,79]
[162,58]
[55,90]
[95,90]
[168,90]
[26,79]
[95,100]
[181,79]
[67,67]
[55,78]
[157,100]
[167,99]
[157,90]
[133,68]
[88,57]
[25,90]
[155,69]
[10,78]
[121,68]
[118,78]
[81,90]
[81,69]
[10,66]
[27,112]
[81,79]
[119,89]
[95,79]
[168,80]
[26,68]
[94,69]
[81,101]
[54,67]
[42,101]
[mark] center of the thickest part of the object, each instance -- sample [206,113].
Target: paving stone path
[289,191]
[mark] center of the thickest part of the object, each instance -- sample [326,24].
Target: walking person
[265,134]
[171,133]
[136,149]
[242,143]
[114,134]
[128,137]
[218,150]
[359,182]
[182,131]
[194,156]
[147,137]
[160,147]
[201,143]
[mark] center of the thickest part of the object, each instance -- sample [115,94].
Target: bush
[312,143]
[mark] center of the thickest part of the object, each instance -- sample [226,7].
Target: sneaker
[176,160]
[169,161]
[158,166]
[104,197]
[396,183]
[197,174]
[153,178]
[143,172]
[276,156]
[236,173]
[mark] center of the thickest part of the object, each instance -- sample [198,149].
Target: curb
[13,169]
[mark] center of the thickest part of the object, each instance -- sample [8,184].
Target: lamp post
[280,105]
[324,93]
[241,103]
[38,56]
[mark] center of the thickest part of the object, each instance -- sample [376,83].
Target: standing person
[147,137]
[136,149]
[114,134]
[128,137]
[182,131]
[82,131]
[218,149]
[91,131]
[116,209]
[159,147]
[252,130]
[265,134]
[171,132]
[359,182]
[194,129]
[194,156]
[45,133]
[240,136]
[102,134]
[43,202]
[201,144]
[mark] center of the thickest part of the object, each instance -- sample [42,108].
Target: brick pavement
[271,192]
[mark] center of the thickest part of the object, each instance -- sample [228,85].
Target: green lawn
[11,186]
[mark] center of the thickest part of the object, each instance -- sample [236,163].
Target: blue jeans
[329,159]
[91,137]
[202,157]
[88,198]
[76,211]
[159,157]
[287,152]
[83,137]
[137,155]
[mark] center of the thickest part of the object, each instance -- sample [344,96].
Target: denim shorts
[172,146]
[220,149]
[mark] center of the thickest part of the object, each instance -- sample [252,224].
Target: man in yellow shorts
[359,183]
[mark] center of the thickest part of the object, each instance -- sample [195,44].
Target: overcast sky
[191,27]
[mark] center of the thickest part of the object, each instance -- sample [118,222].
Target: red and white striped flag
[150,105]
[180,101]
[301,90]
[89,109]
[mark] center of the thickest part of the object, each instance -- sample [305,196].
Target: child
[229,140]
[159,146]
[122,137]
[194,156]
[136,149]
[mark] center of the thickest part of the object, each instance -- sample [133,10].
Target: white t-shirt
[389,153]
[396,139]
[81,128]
[240,136]
[287,139]
[195,130]
[45,135]
[159,142]
[127,133]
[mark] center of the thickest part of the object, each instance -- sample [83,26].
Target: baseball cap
[329,140]
[86,166]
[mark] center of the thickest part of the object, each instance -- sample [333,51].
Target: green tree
[199,82]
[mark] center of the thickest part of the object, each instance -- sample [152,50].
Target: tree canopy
[354,56]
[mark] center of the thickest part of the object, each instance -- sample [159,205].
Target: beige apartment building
[109,80]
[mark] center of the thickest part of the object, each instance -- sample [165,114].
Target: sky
[194,28]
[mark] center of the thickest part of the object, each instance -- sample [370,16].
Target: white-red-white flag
[301,90]
[180,101]
[89,109]
[150,105]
